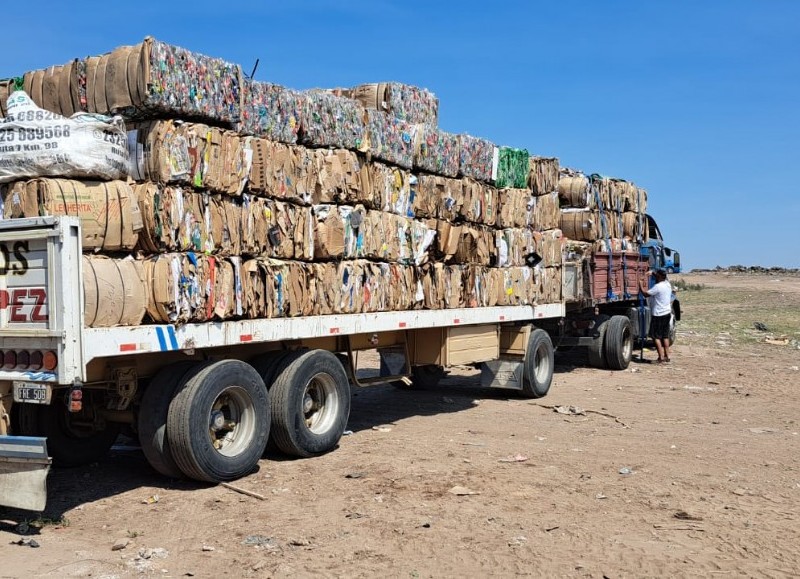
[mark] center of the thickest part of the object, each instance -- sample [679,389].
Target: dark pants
[659,327]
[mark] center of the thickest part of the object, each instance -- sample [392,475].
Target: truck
[205,398]
[654,249]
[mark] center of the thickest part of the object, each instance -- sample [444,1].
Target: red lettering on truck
[24,304]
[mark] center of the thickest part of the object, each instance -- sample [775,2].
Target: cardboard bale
[436,151]
[339,231]
[475,158]
[634,226]
[388,138]
[114,292]
[574,190]
[174,218]
[189,153]
[339,176]
[8,86]
[432,277]
[551,287]
[478,287]
[454,286]
[270,111]
[330,121]
[350,280]
[327,288]
[439,197]
[283,171]
[511,167]
[225,217]
[549,246]
[513,286]
[420,236]
[264,283]
[54,89]
[301,289]
[545,212]
[108,211]
[390,189]
[154,78]
[514,207]
[641,201]
[178,287]
[513,246]
[480,203]
[226,279]
[410,103]
[543,175]
[580,224]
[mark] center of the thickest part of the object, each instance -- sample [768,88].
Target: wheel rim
[231,421]
[542,364]
[627,344]
[320,403]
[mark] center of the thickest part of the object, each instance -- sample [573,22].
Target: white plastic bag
[39,143]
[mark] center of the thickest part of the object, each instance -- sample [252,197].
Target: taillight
[32,360]
[9,359]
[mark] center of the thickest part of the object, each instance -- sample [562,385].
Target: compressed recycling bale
[479,288]
[283,171]
[514,286]
[301,289]
[7,87]
[476,158]
[390,189]
[178,287]
[155,78]
[225,215]
[55,89]
[480,202]
[388,138]
[454,286]
[189,153]
[114,292]
[574,190]
[270,111]
[641,201]
[339,231]
[543,175]
[513,246]
[515,207]
[436,151]
[42,144]
[174,219]
[330,121]
[439,197]
[580,224]
[327,288]
[545,212]
[550,290]
[339,176]
[226,279]
[410,103]
[465,244]
[511,167]
[549,246]
[108,211]
[432,280]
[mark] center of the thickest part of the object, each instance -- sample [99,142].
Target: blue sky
[697,101]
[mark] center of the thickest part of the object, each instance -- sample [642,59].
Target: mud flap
[505,374]
[24,465]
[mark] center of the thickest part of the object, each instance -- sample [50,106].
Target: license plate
[32,393]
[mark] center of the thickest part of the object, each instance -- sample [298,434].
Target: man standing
[661,307]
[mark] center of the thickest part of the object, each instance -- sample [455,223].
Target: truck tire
[310,404]
[219,421]
[618,344]
[69,441]
[152,419]
[538,366]
[596,351]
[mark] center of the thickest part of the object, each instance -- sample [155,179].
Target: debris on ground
[120,544]
[462,491]
[514,458]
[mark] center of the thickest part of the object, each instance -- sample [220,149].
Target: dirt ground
[684,469]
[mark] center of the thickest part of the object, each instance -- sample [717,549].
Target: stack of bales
[246,199]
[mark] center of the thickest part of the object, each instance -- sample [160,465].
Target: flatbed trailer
[205,398]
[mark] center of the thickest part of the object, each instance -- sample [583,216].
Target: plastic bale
[476,158]
[270,111]
[330,121]
[155,78]
[512,168]
[389,139]
[407,102]
[436,151]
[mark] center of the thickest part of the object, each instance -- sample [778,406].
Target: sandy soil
[686,469]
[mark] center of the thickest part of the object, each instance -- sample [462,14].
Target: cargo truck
[205,398]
